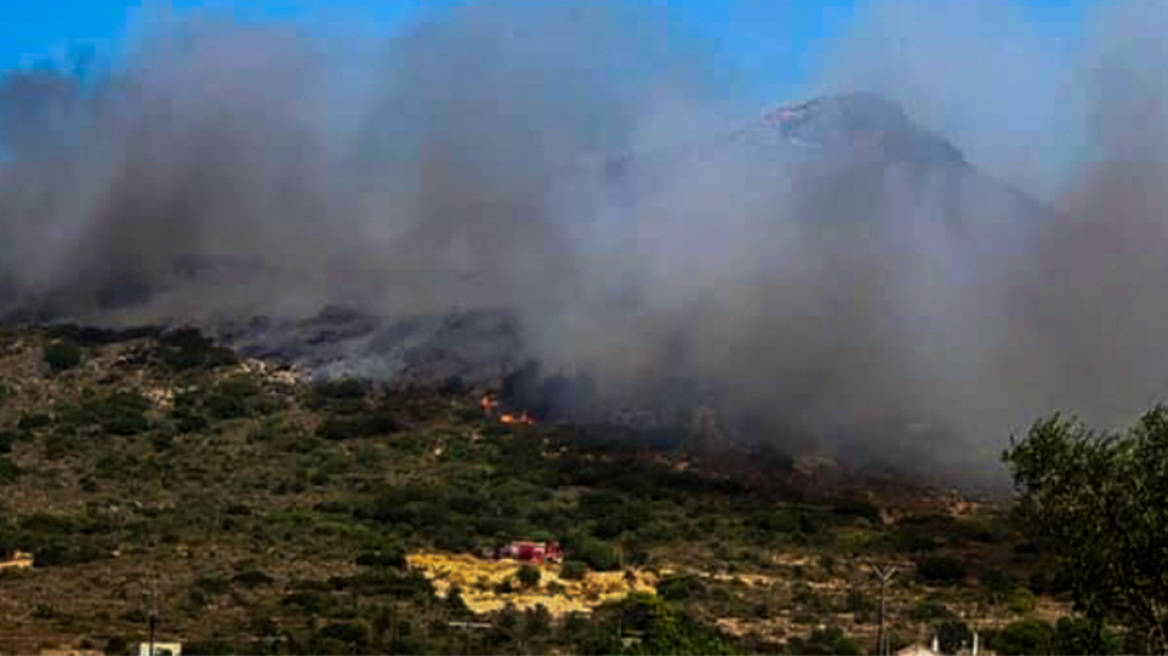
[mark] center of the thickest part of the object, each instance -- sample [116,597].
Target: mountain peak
[858,119]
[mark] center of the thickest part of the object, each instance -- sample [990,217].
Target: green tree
[664,631]
[1079,635]
[831,641]
[1099,500]
[952,635]
[1021,601]
[1024,638]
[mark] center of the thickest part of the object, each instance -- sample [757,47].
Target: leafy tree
[1080,635]
[829,641]
[952,636]
[1021,601]
[1099,500]
[1024,638]
[996,581]
[664,631]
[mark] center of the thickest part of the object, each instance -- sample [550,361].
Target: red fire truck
[532,552]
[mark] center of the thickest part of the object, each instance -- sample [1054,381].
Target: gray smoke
[576,167]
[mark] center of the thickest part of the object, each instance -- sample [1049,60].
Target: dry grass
[477,578]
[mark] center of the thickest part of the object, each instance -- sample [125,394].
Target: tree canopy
[1099,498]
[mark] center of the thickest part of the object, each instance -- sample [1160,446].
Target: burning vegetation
[491,408]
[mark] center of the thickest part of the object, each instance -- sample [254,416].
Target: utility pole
[153,618]
[885,574]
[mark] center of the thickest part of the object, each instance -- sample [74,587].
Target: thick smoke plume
[556,164]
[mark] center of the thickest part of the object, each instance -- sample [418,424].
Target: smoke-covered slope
[845,214]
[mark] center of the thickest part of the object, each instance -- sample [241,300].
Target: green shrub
[528,576]
[188,348]
[859,508]
[62,552]
[573,570]
[215,646]
[864,608]
[775,521]
[394,557]
[346,632]
[34,420]
[211,585]
[120,413]
[234,398]
[940,570]
[92,336]
[188,420]
[60,444]
[344,396]
[1079,635]
[996,581]
[310,602]
[681,587]
[831,640]
[931,610]
[1021,601]
[253,578]
[1024,638]
[952,635]
[62,356]
[370,424]
[9,472]
[597,555]
[116,645]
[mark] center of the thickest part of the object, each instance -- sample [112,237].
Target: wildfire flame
[521,418]
[490,404]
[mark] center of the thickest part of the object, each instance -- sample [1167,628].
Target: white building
[160,649]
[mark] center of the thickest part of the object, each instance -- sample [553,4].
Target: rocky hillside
[146,471]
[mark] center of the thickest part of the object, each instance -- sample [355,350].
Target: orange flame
[490,404]
[521,418]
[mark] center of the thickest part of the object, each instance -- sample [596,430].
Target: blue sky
[773,43]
